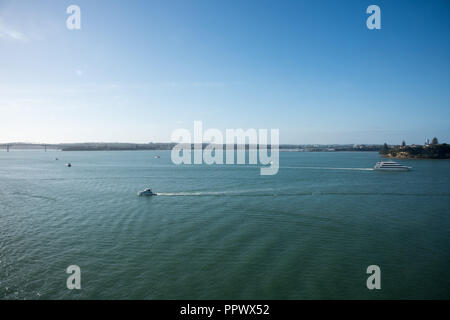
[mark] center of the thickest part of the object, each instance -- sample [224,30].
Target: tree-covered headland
[433,150]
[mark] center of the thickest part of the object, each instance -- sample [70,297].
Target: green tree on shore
[435,141]
[385,149]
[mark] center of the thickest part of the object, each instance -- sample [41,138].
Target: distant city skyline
[136,71]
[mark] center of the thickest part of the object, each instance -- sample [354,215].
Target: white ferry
[390,166]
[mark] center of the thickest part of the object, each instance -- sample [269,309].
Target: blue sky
[137,70]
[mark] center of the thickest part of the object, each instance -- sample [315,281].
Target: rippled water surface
[221,232]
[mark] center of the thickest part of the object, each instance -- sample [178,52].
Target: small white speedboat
[146,192]
[68,164]
[390,166]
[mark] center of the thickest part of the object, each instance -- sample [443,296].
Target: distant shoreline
[413,158]
[429,151]
[169,146]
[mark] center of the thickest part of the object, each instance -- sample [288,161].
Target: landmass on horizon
[121,146]
[430,150]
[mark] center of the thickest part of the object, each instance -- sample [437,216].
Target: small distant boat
[68,164]
[156,157]
[390,166]
[56,158]
[146,192]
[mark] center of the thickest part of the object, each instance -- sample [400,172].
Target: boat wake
[329,168]
[284,194]
[29,195]
[253,192]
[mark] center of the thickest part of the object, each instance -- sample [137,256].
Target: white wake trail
[329,168]
[215,193]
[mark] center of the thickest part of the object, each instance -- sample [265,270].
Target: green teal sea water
[221,232]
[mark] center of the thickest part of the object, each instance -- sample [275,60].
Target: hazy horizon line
[175,143]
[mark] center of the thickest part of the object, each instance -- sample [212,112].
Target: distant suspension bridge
[28,146]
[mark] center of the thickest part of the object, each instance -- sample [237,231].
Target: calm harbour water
[221,232]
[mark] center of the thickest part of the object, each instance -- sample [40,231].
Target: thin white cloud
[7,32]
[79,72]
